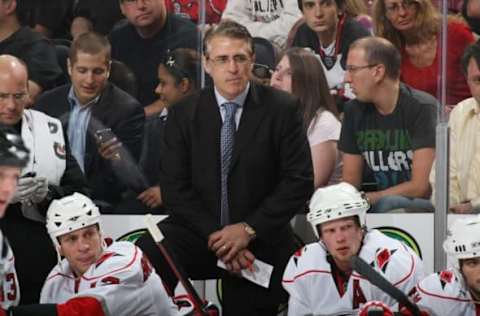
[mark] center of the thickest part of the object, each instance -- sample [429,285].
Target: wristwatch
[250,231]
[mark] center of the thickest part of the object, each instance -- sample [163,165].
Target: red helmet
[375,306]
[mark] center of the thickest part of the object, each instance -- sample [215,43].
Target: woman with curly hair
[413,27]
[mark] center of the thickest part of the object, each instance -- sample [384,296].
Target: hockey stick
[157,236]
[359,265]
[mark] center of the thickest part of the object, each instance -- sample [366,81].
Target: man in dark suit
[233,204]
[104,124]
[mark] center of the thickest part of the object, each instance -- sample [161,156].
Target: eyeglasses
[222,61]
[262,71]
[16,97]
[394,8]
[353,69]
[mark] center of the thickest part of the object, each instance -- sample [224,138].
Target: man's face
[473,79]
[229,62]
[13,96]
[320,15]
[8,185]
[89,75]
[343,238]
[471,272]
[143,13]
[359,74]
[81,248]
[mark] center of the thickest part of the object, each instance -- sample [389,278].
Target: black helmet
[12,149]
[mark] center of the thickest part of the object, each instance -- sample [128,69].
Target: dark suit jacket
[116,110]
[271,175]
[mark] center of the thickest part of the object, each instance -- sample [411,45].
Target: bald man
[50,173]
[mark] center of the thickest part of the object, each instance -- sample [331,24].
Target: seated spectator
[329,32]
[95,16]
[189,9]
[319,277]
[271,20]
[471,13]
[95,277]
[31,47]
[299,72]
[390,127]
[143,42]
[177,77]
[104,124]
[51,173]
[464,142]
[412,26]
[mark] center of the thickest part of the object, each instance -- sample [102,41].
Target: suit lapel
[252,115]
[209,124]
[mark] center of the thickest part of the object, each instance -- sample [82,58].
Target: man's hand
[227,242]
[109,150]
[462,208]
[25,189]
[151,197]
[243,260]
[373,197]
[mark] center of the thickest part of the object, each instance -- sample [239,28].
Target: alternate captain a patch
[59,150]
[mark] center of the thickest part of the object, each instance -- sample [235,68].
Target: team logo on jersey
[403,236]
[298,254]
[132,236]
[52,127]
[59,150]
[382,258]
[445,277]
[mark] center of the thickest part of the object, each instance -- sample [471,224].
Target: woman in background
[300,73]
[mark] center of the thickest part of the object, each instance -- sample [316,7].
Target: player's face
[471,273]
[81,248]
[229,61]
[473,79]
[343,238]
[282,76]
[89,74]
[320,15]
[8,184]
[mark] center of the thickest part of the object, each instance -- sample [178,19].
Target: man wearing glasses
[237,168]
[389,127]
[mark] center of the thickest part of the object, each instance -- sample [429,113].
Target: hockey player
[95,279]
[456,290]
[13,156]
[319,277]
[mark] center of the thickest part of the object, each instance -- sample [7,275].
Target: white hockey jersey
[308,277]
[444,294]
[9,290]
[122,280]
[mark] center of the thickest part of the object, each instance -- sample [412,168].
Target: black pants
[34,253]
[190,252]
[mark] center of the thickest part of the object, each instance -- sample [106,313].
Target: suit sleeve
[295,184]
[178,189]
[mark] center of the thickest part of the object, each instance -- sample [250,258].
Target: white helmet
[334,202]
[463,239]
[70,213]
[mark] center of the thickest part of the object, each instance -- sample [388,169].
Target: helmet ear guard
[463,240]
[335,202]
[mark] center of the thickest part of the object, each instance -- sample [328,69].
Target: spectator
[464,164]
[390,127]
[412,26]
[319,277]
[29,46]
[51,18]
[329,32]
[95,16]
[177,77]
[91,105]
[143,42]
[95,278]
[50,173]
[358,10]
[270,19]
[471,13]
[233,202]
[299,72]
[189,9]
[13,157]
[454,291]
